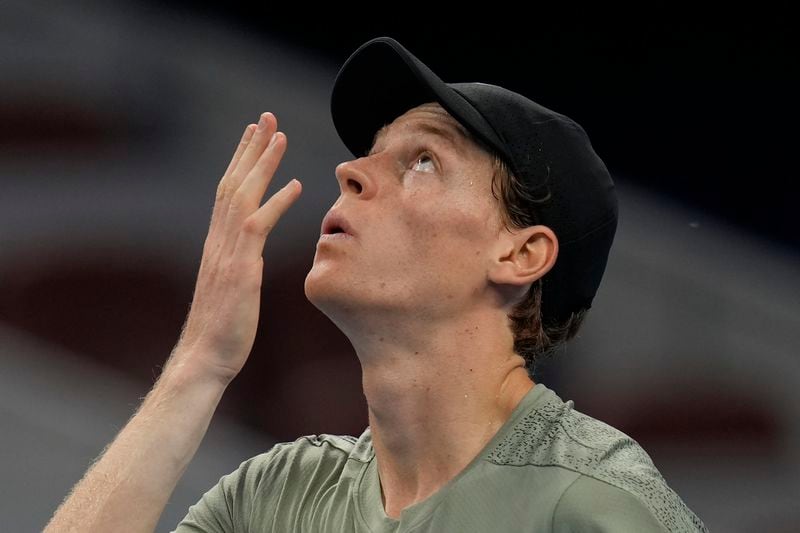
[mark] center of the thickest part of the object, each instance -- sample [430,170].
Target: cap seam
[494,130]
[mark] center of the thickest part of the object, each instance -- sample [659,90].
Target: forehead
[430,118]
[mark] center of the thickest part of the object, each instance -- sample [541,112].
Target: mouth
[334,224]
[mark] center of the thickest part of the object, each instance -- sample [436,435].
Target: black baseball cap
[550,152]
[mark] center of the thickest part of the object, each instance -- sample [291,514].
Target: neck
[436,398]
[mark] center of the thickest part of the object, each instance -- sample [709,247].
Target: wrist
[192,367]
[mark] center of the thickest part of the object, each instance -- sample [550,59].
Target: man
[469,238]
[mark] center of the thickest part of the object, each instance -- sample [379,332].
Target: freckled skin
[419,231]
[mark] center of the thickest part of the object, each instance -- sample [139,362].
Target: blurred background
[117,119]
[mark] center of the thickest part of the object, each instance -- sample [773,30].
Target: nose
[354,179]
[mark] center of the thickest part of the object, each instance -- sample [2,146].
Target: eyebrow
[432,129]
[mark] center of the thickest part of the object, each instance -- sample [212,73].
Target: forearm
[130,484]
[128,487]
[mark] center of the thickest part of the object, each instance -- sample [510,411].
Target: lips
[334,222]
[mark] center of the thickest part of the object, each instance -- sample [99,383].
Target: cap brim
[382,80]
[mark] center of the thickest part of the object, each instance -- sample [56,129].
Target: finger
[248,134]
[257,181]
[239,169]
[267,125]
[256,227]
[233,179]
[220,203]
[248,197]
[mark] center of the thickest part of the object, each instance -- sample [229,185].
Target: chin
[312,284]
[326,288]
[340,299]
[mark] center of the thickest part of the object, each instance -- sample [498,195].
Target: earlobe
[524,256]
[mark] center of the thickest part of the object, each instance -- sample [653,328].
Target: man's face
[423,220]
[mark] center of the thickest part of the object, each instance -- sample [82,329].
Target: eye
[424,163]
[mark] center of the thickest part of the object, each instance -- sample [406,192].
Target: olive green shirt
[548,469]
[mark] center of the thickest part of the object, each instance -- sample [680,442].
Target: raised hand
[220,329]
[127,488]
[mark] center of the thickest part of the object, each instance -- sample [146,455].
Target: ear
[523,255]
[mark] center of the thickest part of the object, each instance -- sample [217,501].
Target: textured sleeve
[592,506]
[228,505]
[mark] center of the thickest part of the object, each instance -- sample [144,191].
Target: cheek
[447,229]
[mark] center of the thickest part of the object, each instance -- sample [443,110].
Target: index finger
[246,136]
[223,186]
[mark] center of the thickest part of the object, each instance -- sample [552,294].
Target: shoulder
[609,463]
[257,487]
[287,458]
[553,433]
[311,446]
[592,505]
